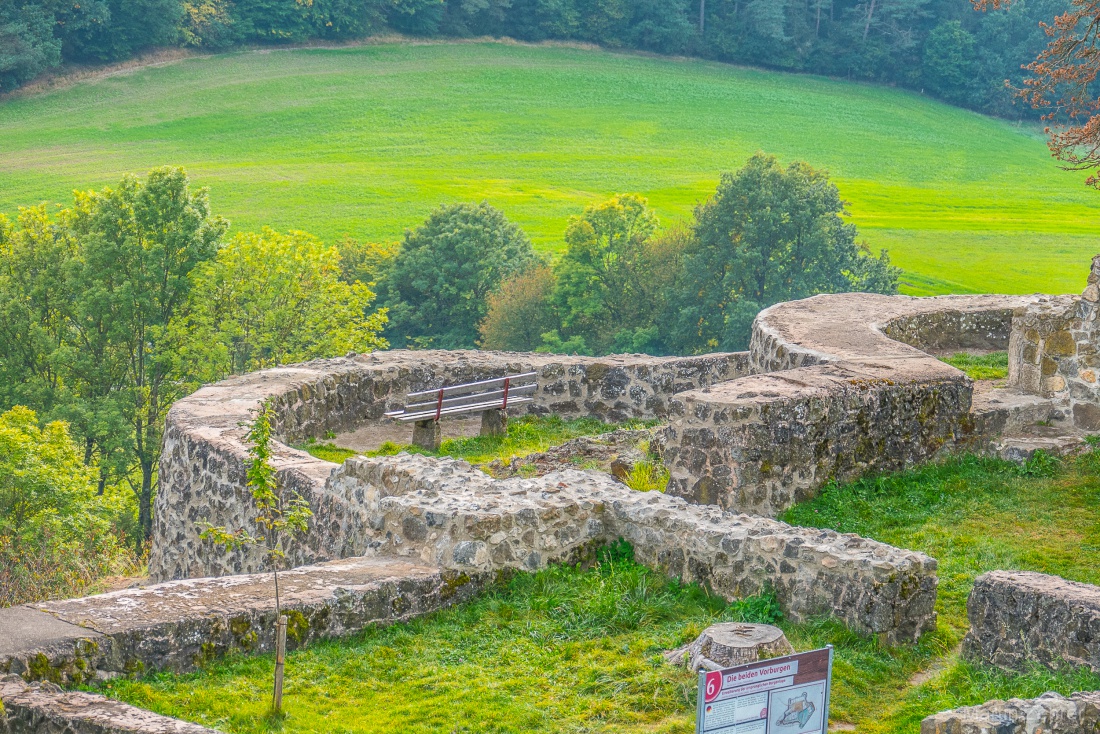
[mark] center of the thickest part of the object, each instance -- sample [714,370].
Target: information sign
[787,695]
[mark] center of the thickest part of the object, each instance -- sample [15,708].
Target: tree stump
[729,644]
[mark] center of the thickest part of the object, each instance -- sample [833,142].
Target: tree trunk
[730,644]
[145,504]
[702,16]
[870,14]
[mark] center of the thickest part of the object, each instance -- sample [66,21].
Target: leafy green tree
[35,314]
[208,24]
[611,279]
[520,311]
[120,28]
[138,244]
[366,262]
[27,43]
[949,61]
[437,288]
[769,234]
[273,298]
[56,535]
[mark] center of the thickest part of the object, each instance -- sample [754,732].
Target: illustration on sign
[788,695]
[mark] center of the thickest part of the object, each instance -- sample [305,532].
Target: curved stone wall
[447,514]
[835,393]
[203,461]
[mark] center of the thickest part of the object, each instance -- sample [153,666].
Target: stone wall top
[874,330]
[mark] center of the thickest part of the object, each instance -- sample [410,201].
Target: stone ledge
[1048,714]
[179,625]
[43,708]
[836,394]
[1020,618]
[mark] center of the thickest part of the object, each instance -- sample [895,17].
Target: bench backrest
[472,397]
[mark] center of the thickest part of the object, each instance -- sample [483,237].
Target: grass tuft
[992,366]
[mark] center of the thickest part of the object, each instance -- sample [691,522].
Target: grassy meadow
[567,650]
[365,141]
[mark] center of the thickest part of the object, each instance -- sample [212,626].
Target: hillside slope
[365,141]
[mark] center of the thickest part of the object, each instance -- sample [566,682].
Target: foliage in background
[768,235]
[366,262]
[273,298]
[93,296]
[437,287]
[939,46]
[609,282]
[992,366]
[112,309]
[519,312]
[57,535]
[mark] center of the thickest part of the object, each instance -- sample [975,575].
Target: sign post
[787,695]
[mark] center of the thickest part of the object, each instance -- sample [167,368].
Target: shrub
[57,536]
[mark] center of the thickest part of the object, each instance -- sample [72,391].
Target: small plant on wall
[280,517]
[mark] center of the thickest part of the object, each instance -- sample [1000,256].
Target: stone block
[494,422]
[428,435]
[1021,618]
[1051,713]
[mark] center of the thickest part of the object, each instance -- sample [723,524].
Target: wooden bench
[491,398]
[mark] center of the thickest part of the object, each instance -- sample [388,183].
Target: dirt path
[371,437]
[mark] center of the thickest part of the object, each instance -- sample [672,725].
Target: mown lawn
[567,650]
[365,141]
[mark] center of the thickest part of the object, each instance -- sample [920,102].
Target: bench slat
[458,410]
[469,386]
[481,396]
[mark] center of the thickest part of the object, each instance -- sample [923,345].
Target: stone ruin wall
[1048,714]
[1020,618]
[202,475]
[1055,352]
[874,588]
[841,386]
[444,512]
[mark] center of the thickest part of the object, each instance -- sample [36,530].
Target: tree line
[941,47]
[467,277]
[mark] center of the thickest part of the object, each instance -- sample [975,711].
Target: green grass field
[365,141]
[568,651]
